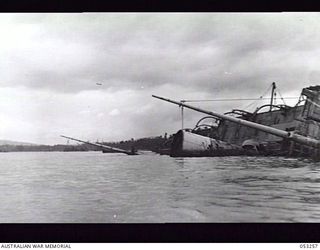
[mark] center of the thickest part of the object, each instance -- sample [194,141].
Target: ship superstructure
[281,130]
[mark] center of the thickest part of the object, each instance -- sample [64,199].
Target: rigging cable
[255,104]
[236,99]
[281,96]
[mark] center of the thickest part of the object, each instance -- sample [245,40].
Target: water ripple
[79,187]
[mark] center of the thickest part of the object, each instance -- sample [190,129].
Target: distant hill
[16,143]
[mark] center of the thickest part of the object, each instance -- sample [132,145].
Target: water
[91,187]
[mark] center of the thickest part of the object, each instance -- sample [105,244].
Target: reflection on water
[114,188]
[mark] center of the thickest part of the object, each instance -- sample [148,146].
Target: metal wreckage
[280,131]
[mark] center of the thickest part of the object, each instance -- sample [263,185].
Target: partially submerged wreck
[282,130]
[104,148]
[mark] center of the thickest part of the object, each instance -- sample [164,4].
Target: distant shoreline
[149,143]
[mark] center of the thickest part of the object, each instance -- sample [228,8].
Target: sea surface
[92,187]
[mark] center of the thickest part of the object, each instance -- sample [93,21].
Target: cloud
[54,61]
[114,112]
[125,50]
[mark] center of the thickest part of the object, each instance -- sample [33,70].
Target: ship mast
[182,101]
[272,94]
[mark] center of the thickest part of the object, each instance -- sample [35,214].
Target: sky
[91,75]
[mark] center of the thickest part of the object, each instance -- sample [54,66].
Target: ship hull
[188,144]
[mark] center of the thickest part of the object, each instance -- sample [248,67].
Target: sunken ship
[273,130]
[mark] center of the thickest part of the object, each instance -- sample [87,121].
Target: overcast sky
[51,63]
